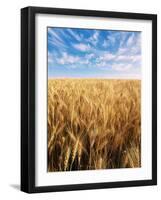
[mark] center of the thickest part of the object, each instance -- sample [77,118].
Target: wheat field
[93,124]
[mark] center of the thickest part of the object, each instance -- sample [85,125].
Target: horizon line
[121,78]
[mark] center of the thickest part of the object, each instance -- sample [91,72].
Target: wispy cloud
[105,43]
[82,47]
[75,35]
[116,52]
[50,57]
[110,39]
[54,35]
[94,38]
[55,40]
[121,67]
[67,59]
[107,57]
[89,55]
[131,40]
[126,57]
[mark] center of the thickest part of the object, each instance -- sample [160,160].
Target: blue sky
[89,53]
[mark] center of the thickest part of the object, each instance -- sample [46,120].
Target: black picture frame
[28,98]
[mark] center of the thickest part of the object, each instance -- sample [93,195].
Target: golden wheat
[93,124]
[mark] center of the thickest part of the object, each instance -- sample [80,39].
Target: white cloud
[85,62]
[75,35]
[55,39]
[50,57]
[104,59]
[82,47]
[54,34]
[107,57]
[105,43]
[95,35]
[122,50]
[102,64]
[111,39]
[136,58]
[136,48]
[130,40]
[74,61]
[121,67]
[133,44]
[94,38]
[128,58]
[122,57]
[57,43]
[123,37]
[90,56]
[68,59]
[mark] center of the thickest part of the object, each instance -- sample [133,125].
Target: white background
[10,99]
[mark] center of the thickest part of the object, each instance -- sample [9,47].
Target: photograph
[93,99]
[88,99]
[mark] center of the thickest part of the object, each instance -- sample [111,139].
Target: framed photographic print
[88,99]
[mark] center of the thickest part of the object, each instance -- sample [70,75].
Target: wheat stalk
[95,122]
